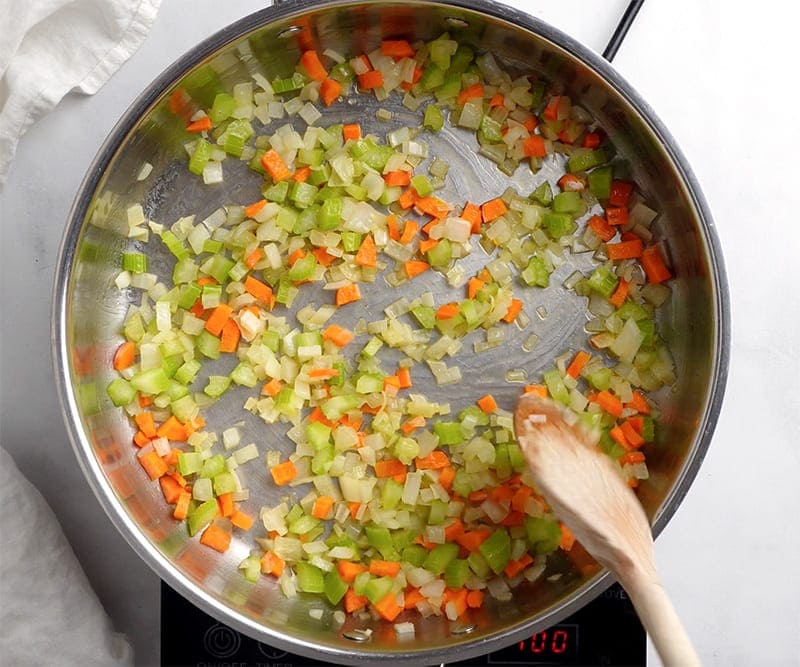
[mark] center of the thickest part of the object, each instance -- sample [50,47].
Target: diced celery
[377,588]
[391,493]
[584,159]
[496,549]
[189,295]
[218,267]
[536,273]
[310,579]
[201,515]
[121,392]
[351,241]
[317,434]
[187,372]
[406,449]
[603,281]
[433,119]
[440,557]
[558,224]
[425,315]
[244,374]
[456,573]
[335,588]
[222,109]
[213,466]
[490,131]
[217,385]
[556,387]
[478,565]
[151,381]
[330,215]
[336,406]
[371,348]
[200,157]
[174,245]
[449,433]
[438,512]
[277,192]
[135,262]
[543,194]
[380,538]
[432,77]
[303,524]
[502,464]
[441,254]
[208,344]
[600,182]
[302,194]
[189,463]
[323,459]
[224,482]
[415,554]
[271,339]
[600,379]
[184,408]
[567,202]
[542,534]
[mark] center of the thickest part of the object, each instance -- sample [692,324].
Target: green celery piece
[286,402]
[351,241]
[600,182]
[600,379]
[208,344]
[174,245]
[480,417]
[175,391]
[224,483]
[603,281]
[469,312]
[478,565]
[610,446]
[543,194]
[371,348]
[415,554]
[456,573]
[303,268]
[433,119]
[308,339]
[516,458]
[380,538]
[338,380]
[189,294]
[318,435]
[222,109]
[302,194]
[537,91]
[567,202]
[648,429]
[462,483]
[271,339]
[377,588]
[303,524]
[152,381]
[189,463]
[502,463]
[432,77]
[555,385]
[276,192]
[360,583]
[391,494]
[310,579]
[438,512]
[202,515]
[134,328]
[330,215]
[310,157]
[356,191]
[490,131]
[171,362]
[461,59]
[255,162]
[184,408]
[184,271]
[449,433]
[319,175]
[336,406]
[289,85]
[450,88]
[542,534]
[584,159]
[422,184]
[440,557]
[213,466]
[236,135]
[322,460]
[630,309]
[238,271]
[558,224]
[536,273]
[200,157]
[425,315]
[440,51]
[244,374]
[440,255]
[287,219]
[369,383]
[294,513]
[496,549]
[135,262]
[121,392]
[219,267]
[406,449]
[342,72]
[335,588]
[306,221]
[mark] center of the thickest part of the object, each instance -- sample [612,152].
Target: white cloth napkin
[49,614]
[51,47]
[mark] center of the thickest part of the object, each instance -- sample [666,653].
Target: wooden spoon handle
[661,621]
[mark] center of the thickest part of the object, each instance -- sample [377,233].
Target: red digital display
[555,641]
[556,645]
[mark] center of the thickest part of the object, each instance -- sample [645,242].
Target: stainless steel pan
[88,309]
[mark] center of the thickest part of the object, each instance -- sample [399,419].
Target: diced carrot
[351,131]
[170,488]
[628,458]
[389,468]
[219,316]
[632,482]
[435,460]
[296,256]
[474,286]
[520,497]
[254,258]
[571,183]
[225,501]
[618,436]
[412,424]
[534,146]
[347,294]
[229,340]
[140,439]
[200,125]
[197,309]
[428,227]
[153,465]
[370,80]
[323,373]
[323,257]
[610,403]
[348,570]
[654,266]
[472,214]
[283,473]
[475,90]
[502,494]
[384,568]
[497,100]
[620,293]
[337,335]
[413,267]
[182,506]
[275,166]
[353,602]
[397,48]
[447,311]
[458,598]
[302,174]
[399,178]
[591,140]
[624,249]
[409,232]
[433,206]
[567,538]
[514,309]
[146,423]
[426,245]
[253,209]
[446,477]
[272,563]
[404,375]
[172,430]
[411,597]
[577,364]
[388,608]
[493,209]
[453,530]
[554,105]
[367,254]
[311,62]
[475,599]
[329,91]
[272,388]
[392,228]
[144,400]
[539,390]
[478,496]
[639,403]
[354,510]
[241,520]
[322,507]
[631,434]
[620,193]
[487,403]
[514,567]
[617,215]
[124,356]
[601,227]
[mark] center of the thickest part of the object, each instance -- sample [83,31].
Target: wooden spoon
[589,495]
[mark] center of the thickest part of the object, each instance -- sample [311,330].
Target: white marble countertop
[721,82]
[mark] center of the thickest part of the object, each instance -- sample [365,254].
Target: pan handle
[622,29]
